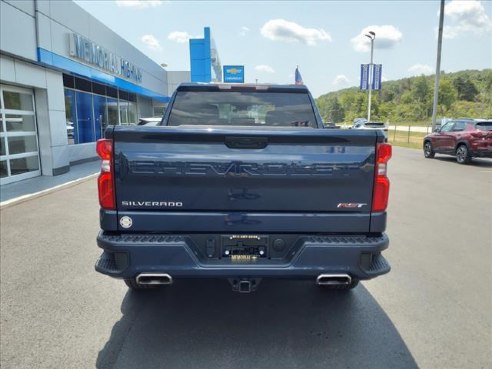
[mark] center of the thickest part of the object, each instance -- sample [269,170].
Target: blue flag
[376,76]
[364,76]
[298,77]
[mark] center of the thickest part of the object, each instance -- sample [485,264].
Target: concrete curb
[35,195]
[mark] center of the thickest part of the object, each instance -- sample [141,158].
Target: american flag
[298,77]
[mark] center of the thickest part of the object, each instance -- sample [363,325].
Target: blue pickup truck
[242,182]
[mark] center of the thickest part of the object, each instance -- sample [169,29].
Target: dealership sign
[234,73]
[91,53]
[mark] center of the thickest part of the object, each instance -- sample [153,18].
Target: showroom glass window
[90,107]
[70,116]
[85,121]
[19,153]
[128,107]
[112,106]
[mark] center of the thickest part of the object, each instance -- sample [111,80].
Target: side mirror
[437,129]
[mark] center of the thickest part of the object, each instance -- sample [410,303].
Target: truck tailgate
[303,173]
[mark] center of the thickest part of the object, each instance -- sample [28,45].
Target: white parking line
[23,198]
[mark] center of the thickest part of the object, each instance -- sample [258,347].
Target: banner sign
[234,73]
[376,76]
[364,76]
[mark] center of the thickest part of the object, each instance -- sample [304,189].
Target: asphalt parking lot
[432,311]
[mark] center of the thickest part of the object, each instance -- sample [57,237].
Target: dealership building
[64,77]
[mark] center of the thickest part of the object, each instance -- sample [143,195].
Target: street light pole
[372,36]
[438,66]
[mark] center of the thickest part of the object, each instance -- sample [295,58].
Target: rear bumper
[127,255]
[482,153]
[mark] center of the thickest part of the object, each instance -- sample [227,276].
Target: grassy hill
[466,93]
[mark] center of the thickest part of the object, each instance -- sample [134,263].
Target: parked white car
[153,121]
[364,124]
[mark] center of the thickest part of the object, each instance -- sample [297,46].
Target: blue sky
[325,38]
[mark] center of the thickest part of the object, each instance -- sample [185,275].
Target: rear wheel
[463,154]
[428,150]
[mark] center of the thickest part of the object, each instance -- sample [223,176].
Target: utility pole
[372,36]
[438,66]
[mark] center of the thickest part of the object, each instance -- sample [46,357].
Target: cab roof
[240,87]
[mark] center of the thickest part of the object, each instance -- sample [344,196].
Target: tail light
[381,181]
[105,182]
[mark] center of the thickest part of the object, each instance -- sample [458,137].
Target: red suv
[464,138]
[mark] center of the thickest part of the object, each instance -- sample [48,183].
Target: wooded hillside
[462,94]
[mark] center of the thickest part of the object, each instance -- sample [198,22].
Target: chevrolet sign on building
[234,73]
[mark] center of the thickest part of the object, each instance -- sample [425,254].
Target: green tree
[330,108]
[421,94]
[466,93]
[447,94]
[465,88]
[485,95]
[336,113]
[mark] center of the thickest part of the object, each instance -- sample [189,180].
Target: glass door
[19,149]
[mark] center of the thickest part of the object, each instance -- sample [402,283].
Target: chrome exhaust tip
[154,279]
[333,280]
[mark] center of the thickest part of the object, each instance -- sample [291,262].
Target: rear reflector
[105,182]
[381,181]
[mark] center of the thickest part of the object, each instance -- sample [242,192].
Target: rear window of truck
[242,108]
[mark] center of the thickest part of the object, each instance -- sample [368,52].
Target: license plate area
[244,247]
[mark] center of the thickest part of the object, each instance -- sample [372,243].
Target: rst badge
[351,205]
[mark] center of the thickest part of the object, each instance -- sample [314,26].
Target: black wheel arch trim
[459,143]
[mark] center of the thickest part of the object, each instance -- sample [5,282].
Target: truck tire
[428,150]
[354,283]
[463,154]
[132,284]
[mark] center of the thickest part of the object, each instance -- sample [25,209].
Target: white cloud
[419,69]
[179,37]
[282,30]
[151,42]
[341,81]
[139,4]
[466,16]
[449,32]
[387,36]
[244,31]
[264,68]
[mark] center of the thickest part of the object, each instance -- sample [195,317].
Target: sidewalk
[31,186]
